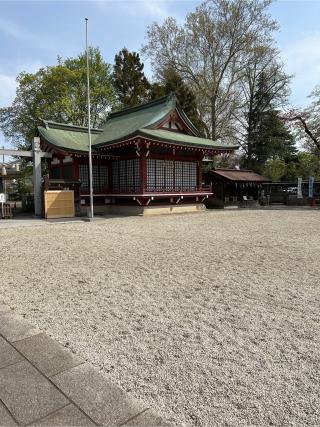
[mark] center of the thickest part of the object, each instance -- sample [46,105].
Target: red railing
[149,189]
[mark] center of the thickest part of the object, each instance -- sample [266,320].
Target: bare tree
[210,51]
[307,122]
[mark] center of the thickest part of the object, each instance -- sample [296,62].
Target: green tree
[171,81]
[58,93]
[264,87]
[274,169]
[271,139]
[267,137]
[130,83]
[303,165]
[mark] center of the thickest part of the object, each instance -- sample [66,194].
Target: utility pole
[89,126]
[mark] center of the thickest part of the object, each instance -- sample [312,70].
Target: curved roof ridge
[170,97]
[68,126]
[233,169]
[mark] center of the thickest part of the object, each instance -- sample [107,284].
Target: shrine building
[146,159]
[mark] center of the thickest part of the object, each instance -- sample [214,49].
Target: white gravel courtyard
[212,319]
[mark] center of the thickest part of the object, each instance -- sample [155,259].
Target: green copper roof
[67,137]
[182,139]
[141,120]
[126,122]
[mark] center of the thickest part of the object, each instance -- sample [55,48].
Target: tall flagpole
[89,126]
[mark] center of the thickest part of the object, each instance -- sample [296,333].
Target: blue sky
[34,33]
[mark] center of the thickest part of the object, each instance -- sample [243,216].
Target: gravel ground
[213,319]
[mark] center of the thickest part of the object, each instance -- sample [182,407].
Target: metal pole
[4,180]
[89,126]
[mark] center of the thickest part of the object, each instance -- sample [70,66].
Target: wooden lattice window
[189,180]
[160,175]
[193,175]
[122,175]
[84,177]
[95,176]
[167,175]
[104,181]
[115,175]
[151,175]
[126,175]
[136,173]
[178,175]
[99,178]
[169,167]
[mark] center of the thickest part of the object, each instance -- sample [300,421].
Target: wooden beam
[22,153]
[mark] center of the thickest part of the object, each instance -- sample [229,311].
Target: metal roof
[70,139]
[239,175]
[126,123]
[141,120]
[183,139]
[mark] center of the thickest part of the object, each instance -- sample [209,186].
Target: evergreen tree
[267,136]
[172,82]
[271,139]
[130,83]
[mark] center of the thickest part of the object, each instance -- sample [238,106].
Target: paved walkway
[44,384]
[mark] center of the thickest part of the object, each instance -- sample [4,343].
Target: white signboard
[2,198]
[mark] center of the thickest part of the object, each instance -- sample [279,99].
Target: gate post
[37,196]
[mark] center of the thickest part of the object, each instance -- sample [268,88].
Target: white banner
[299,195]
[311,182]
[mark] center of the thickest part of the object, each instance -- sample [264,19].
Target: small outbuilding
[235,187]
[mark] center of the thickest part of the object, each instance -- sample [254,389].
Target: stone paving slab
[68,416]
[27,394]
[105,403]
[147,419]
[15,328]
[44,384]
[47,354]
[8,355]
[5,418]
